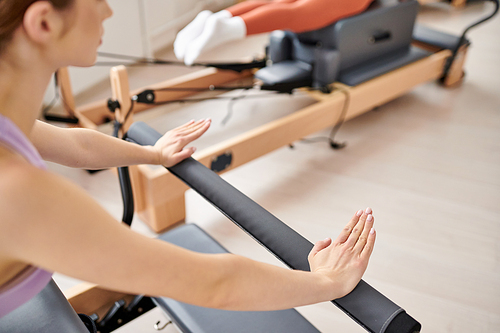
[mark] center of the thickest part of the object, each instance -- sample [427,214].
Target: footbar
[365,305]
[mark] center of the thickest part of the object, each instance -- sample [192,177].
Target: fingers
[348,228]
[367,250]
[197,131]
[364,220]
[182,155]
[358,227]
[365,234]
[191,127]
[356,234]
[191,131]
[320,245]
[189,123]
[171,146]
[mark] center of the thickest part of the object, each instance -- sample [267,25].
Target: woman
[49,225]
[253,17]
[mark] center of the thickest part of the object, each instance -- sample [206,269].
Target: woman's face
[85,21]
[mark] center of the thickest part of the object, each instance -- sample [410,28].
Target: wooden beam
[121,93]
[456,72]
[459,3]
[66,90]
[88,298]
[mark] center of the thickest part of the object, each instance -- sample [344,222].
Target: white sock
[218,30]
[193,30]
[190,32]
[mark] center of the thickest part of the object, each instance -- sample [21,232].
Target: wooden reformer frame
[88,298]
[159,196]
[454,3]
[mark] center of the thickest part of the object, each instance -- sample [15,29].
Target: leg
[297,16]
[217,31]
[247,6]
[300,16]
[190,32]
[196,27]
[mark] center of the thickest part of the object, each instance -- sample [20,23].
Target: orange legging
[295,15]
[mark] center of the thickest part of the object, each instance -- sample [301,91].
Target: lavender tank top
[32,280]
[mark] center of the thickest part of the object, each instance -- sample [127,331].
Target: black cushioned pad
[285,72]
[439,39]
[47,312]
[368,307]
[381,65]
[190,318]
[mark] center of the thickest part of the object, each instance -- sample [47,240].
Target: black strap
[88,322]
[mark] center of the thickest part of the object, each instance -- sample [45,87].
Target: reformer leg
[437,40]
[68,99]
[456,74]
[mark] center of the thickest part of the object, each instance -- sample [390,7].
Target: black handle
[379,37]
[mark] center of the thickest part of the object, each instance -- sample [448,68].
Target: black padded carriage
[47,312]
[191,319]
[351,51]
[355,49]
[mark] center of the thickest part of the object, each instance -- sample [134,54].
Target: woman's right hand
[345,259]
[171,147]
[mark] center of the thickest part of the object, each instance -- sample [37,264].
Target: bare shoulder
[28,196]
[20,183]
[40,209]
[25,189]
[15,176]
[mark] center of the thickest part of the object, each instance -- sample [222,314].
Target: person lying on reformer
[209,30]
[47,224]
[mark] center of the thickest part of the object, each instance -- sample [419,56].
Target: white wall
[139,28]
[122,35]
[164,18]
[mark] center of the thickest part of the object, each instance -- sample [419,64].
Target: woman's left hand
[171,147]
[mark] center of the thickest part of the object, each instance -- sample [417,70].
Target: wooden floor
[427,163]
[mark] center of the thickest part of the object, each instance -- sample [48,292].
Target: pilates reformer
[350,67]
[51,312]
[50,304]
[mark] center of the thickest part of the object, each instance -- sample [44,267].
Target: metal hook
[157,325]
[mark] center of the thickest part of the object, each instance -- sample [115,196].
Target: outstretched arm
[78,238]
[84,148]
